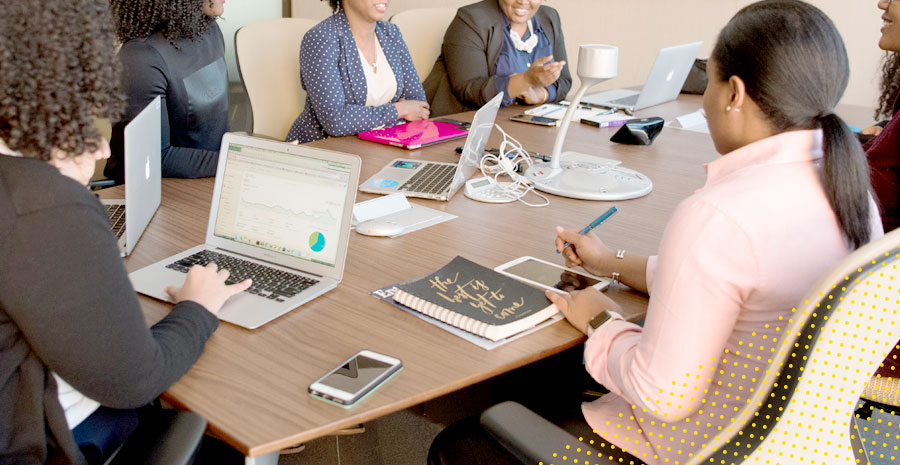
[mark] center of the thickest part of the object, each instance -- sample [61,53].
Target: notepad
[476,299]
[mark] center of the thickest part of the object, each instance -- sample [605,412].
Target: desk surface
[251,384]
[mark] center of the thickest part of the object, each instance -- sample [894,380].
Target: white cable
[520,186]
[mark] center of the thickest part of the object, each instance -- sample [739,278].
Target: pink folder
[415,134]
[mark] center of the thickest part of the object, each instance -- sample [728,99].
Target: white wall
[641,27]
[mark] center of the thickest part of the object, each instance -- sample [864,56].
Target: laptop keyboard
[431,179]
[630,100]
[268,282]
[116,215]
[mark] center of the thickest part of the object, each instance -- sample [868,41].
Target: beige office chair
[268,58]
[802,410]
[423,31]
[98,180]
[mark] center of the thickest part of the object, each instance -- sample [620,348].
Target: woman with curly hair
[884,150]
[174,49]
[76,355]
[357,74]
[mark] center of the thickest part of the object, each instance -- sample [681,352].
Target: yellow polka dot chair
[268,59]
[423,31]
[802,410]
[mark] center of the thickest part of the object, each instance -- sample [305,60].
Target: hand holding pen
[580,248]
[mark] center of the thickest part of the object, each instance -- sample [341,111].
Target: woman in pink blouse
[789,199]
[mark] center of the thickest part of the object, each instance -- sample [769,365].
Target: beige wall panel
[641,27]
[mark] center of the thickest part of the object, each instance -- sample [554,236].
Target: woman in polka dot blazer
[357,74]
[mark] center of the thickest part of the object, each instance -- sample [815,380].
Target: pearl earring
[728,108]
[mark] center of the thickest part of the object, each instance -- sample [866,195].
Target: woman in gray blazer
[510,46]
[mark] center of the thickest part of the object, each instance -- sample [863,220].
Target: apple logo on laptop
[669,77]
[147,169]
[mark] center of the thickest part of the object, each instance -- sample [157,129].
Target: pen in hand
[593,224]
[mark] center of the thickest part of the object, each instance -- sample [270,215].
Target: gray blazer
[463,76]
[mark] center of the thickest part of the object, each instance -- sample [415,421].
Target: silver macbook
[129,217]
[280,215]
[437,180]
[663,84]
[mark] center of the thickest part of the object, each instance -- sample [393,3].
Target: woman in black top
[174,49]
[68,315]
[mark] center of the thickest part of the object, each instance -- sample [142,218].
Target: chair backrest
[268,57]
[802,409]
[423,31]
[105,127]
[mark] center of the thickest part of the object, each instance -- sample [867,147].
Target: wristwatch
[602,318]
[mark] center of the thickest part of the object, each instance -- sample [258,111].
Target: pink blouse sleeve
[705,266]
[651,271]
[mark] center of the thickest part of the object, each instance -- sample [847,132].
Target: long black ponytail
[795,67]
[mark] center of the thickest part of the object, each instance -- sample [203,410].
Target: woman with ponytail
[787,201]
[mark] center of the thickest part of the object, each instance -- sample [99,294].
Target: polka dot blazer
[332,76]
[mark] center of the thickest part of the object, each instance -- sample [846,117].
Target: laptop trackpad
[393,175]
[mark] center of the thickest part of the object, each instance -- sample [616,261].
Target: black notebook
[476,299]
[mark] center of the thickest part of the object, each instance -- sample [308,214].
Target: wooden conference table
[251,384]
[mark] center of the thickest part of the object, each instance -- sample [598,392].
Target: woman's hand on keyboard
[206,286]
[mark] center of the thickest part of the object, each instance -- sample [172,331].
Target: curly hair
[890,85]
[335,4]
[177,19]
[57,72]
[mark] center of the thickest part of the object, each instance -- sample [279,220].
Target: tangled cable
[511,155]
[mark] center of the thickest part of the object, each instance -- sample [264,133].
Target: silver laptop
[280,215]
[663,84]
[437,180]
[129,217]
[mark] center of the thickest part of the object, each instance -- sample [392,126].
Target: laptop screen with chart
[284,203]
[280,215]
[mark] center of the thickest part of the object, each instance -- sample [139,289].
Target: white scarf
[527,45]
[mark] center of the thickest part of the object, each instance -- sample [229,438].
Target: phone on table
[355,378]
[550,276]
[534,119]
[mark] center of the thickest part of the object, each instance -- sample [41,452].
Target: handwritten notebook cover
[476,299]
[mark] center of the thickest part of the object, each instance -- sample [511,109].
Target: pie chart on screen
[316,241]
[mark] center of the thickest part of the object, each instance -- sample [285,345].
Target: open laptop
[280,214]
[129,217]
[437,180]
[415,134]
[663,84]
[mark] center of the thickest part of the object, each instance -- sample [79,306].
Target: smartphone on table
[355,378]
[534,119]
[550,276]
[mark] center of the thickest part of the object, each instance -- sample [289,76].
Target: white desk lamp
[584,176]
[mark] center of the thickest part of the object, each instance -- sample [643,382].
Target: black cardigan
[192,79]
[67,306]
